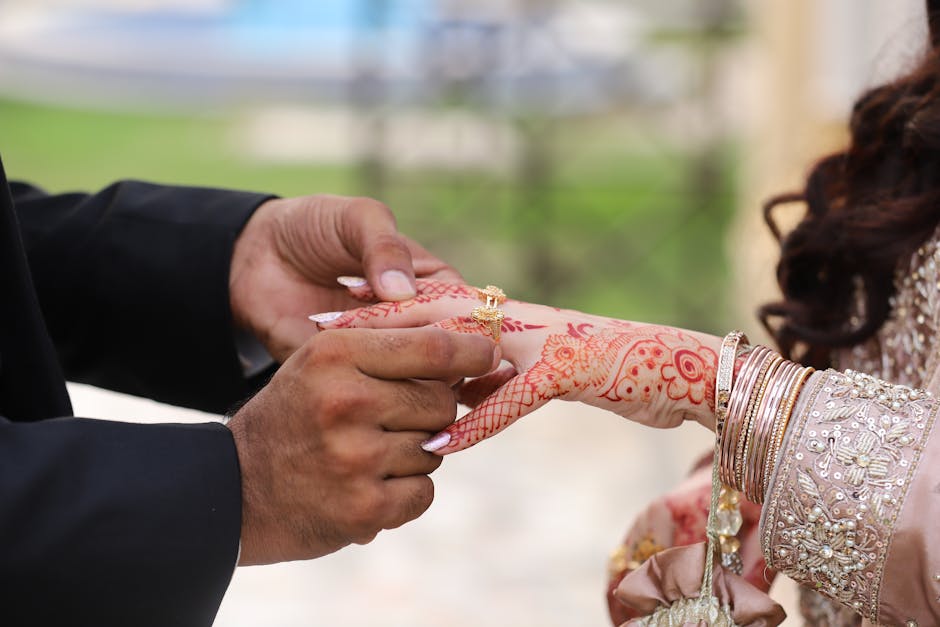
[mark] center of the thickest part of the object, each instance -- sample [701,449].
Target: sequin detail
[852,454]
[689,611]
[903,349]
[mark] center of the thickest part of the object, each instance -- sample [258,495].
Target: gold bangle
[762,427]
[737,408]
[770,364]
[780,428]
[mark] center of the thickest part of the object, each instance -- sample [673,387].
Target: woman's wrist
[704,413]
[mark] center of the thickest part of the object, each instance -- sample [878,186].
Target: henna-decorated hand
[655,375]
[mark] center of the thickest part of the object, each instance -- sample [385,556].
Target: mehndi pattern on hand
[655,374]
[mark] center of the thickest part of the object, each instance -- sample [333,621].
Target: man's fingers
[507,405]
[405,457]
[415,405]
[472,392]
[426,353]
[411,497]
[386,258]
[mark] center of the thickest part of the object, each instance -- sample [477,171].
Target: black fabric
[31,383]
[107,523]
[133,282]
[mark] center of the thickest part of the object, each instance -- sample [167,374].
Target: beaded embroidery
[902,350]
[853,453]
[689,612]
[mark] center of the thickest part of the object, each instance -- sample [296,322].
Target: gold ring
[488,314]
[492,295]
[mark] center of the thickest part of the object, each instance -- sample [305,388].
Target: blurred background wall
[609,156]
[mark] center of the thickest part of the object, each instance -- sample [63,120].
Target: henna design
[466,324]
[509,403]
[645,361]
[684,365]
[428,291]
[511,326]
[613,364]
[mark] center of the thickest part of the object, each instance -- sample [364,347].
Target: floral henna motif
[666,358]
[466,324]
[592,359]
[578,365]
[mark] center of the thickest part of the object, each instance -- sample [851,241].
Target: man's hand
[330,449]
[287,258]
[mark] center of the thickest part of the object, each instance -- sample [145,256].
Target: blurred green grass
[613,226]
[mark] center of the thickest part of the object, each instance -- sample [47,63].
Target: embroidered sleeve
[840,513]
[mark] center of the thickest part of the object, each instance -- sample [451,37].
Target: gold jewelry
[780,427]
[492,296]
[737,407]
[756,401]
[728,514]
[726,359]
[488,314]
[489,317]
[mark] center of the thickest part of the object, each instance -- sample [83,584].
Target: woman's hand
[655,375]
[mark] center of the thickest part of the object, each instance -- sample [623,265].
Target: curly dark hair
[868,208]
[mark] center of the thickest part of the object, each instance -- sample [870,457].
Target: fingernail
[351,281]
[439,441]
[397,285]
[323,318]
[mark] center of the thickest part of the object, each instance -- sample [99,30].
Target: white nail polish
[351,281]
[439,441]
[323,318]
[396,285]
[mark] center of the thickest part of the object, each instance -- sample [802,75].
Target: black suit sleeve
[133,284]
[108,523]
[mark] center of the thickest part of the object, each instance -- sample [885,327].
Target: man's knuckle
[371,207]
[387,244]
[365,512]
[328,347]
[421,497]
[338,404]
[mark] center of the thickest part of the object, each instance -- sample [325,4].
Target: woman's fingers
[436,300]
[508,404]
[358,288]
